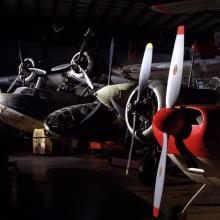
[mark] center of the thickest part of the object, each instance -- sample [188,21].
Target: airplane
[122,98]
[150,101]
[185,6]
[67,81]
[39,92]
[78,120]
[26,107]
[187,133]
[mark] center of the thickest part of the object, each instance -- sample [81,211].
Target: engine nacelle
[24,73]
[86,63]
[152,100]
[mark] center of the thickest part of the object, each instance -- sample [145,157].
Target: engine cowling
[24,73]
[86,63]
[152,100]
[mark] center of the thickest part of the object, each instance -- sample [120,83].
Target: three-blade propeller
[25,73]
[172,93]
[65,67]
[143,80]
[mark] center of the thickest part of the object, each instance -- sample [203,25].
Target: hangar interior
[65,138]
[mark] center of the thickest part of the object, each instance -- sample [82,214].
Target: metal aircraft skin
[26,99]
[186,6]
[188,134]
[26,107]
[120,97]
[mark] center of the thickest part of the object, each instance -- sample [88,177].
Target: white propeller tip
[126,172]
[180,30]
[155,212]
[149,45]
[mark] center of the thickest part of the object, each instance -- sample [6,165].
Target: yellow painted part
[41,143]
[149,45]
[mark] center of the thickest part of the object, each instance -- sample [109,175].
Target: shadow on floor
[77,194]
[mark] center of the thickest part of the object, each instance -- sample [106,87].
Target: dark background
[35,24]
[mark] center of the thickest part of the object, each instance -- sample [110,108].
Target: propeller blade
[176,69]
[62,67]
[172,93]
[145,69]
[160,176]
[143,78]
[131,147]
[118,108]
[87,35]
[110,60]
[19,51]
[37,71]
[12,84]
[88,81]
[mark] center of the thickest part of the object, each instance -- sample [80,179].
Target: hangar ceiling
[133,19]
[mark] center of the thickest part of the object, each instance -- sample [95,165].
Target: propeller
[22,64]
[19,51]
[77,61]
[21,60]
[143,79]
[87,35]
[104,95]
[66,66]
[110,60]
[26,70]
[88,81]
[62,67]
[37,71]
[172,93]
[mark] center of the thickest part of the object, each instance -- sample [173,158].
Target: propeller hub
[169,120]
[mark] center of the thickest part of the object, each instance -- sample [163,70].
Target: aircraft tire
[147,171]
[174,213]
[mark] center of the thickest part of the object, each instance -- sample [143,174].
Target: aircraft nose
[55,123]
[169,120]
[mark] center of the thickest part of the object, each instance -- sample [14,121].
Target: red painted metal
[202,139]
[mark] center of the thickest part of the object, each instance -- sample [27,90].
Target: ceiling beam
[162,20]
[108,10]
[195,23]
[148,17]
[90,9]
[177,20]
[72,9]
[55,8]
[211,29]
[208,24]
[140,14]
[2,6]
[37,7]
[19,7]
[125,11]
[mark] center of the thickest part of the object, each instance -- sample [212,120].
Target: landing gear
[177,212]
[148,168]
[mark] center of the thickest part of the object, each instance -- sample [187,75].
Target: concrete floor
[86,187]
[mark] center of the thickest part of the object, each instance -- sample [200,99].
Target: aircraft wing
[178,7]
[205,68]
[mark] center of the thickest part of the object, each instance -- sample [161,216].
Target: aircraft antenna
[191,73]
